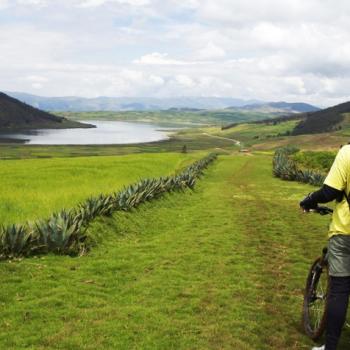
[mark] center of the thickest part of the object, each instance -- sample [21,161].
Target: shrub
[285,168]
[315,160]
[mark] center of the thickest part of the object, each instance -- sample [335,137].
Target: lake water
[106,132]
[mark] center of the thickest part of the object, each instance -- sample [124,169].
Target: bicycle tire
[315,296]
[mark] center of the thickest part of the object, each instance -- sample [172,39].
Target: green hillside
[325,120]
[18,115]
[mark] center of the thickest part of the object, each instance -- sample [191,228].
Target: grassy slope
[267,136]
[220,268]
[34,188]
[251,132]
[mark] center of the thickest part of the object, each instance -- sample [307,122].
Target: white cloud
[211,51]
[39,3]
[37,86]
[4,4]
[36,78]
[268,49]
[184,80]
[96,3]
[157,58]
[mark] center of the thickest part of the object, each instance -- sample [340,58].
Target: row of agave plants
[286,169]
[65,232]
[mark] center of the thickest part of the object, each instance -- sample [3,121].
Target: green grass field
[34,188]
[222,267]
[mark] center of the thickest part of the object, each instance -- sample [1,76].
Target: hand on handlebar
[308,204]
[320,210]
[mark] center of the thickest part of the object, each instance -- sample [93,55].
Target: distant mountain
[324,120]
[18,115]
[80,104]
[279,107]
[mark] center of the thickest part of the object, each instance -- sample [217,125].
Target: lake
[106,132]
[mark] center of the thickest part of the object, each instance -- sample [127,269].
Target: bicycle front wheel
[315,299]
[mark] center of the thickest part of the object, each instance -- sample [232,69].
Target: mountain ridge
[278,107]
[325,120]
[15,114]
[103,103]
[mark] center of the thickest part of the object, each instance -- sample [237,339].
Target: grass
[253,133]
[344,126]
[34,188]
[269,136]
[314,142]
[222,267]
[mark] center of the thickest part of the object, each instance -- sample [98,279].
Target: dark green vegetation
[287,169]
[64,232]
[18,115]
[328,119]
[222,267]
[321,160]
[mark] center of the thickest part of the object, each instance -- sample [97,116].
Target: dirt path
[236,142]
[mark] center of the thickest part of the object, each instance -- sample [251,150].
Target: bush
[315,160]
[286,168]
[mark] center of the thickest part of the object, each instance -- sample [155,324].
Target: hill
[328,120]
[18,115]
[279,107]
[322,121]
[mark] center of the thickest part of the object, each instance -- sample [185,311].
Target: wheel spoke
[317,295]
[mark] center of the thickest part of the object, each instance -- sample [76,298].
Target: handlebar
[322,210]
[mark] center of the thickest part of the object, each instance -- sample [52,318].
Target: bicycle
[316,292]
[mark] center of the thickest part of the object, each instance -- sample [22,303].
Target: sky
[273,50]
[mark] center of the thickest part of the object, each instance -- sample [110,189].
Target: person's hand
[308,203]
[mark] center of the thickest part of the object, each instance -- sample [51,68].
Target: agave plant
[62,233]
[15,240]
[286,169]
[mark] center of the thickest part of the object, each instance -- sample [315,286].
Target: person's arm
[324,195]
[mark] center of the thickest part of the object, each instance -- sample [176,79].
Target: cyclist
[336,187]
